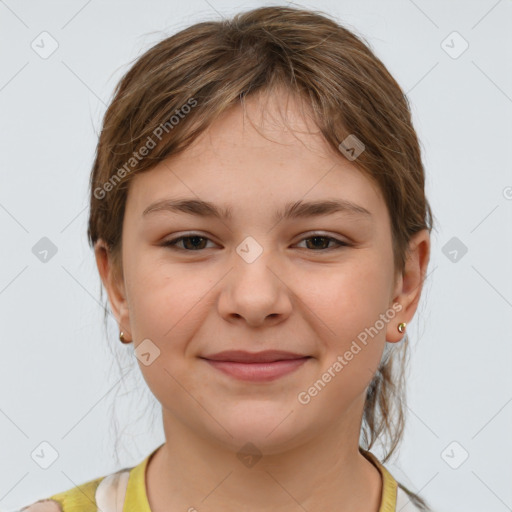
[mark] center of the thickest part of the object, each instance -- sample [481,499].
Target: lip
[242,356]
[256,366]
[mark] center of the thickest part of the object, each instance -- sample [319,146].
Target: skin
[296,296]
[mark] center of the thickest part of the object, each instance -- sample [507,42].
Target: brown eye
[321,243]
[196,242]
[190,243]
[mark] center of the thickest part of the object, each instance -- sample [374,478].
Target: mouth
[256,366]
[241,356]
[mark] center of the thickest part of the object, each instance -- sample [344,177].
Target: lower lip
[258,371]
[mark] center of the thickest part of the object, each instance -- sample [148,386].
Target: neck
[323,472]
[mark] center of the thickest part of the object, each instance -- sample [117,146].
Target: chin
[271,428]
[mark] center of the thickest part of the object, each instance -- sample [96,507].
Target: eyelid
[310,234]
[340,243]
[172,243]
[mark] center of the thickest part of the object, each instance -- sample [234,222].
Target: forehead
[267,150]
[279,121]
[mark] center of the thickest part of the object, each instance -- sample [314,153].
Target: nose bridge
[254,259]
[254,288]
[251,250]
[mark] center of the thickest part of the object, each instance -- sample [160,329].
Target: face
[314,283]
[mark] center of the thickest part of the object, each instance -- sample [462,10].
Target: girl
[260,225]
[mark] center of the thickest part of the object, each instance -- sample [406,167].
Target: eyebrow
[293,210]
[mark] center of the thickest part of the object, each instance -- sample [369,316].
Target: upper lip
[241,356]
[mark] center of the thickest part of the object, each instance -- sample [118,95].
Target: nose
[255,293]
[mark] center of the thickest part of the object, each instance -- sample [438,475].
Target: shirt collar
[136,499]
[389,484]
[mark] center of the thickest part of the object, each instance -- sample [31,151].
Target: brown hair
[177,88]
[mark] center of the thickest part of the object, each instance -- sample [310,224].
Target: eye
[319,242]
[196,242]
[193,242]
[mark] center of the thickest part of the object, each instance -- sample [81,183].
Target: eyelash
[172,244]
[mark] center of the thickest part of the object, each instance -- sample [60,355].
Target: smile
[258,371]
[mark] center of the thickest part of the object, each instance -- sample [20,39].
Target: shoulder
[46,505]
[105,493]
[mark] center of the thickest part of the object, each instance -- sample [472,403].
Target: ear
[409,284]
[114,285]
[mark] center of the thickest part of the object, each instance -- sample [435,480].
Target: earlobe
[113,285]
[410,284]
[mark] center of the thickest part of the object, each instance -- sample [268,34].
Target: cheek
[166,308]
[351,294]
[349,303]
[165,300]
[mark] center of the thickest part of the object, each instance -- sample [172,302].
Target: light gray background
[57,378]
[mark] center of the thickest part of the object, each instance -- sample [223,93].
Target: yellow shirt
[125,491]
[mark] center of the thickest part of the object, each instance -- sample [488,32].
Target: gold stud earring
[401,326]
[121,337]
